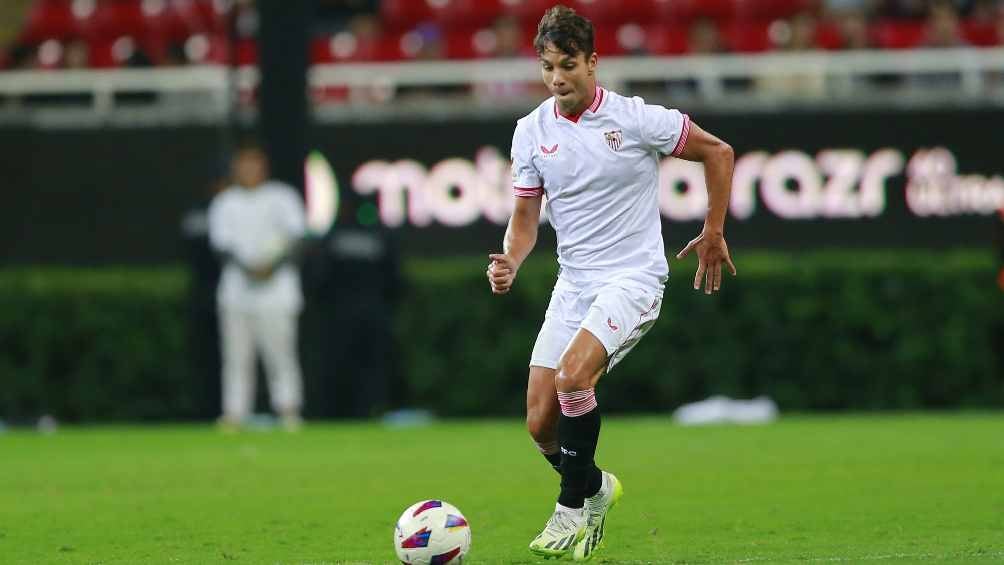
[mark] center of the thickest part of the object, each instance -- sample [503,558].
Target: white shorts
[617,313]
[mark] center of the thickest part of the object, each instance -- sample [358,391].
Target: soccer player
[595,154]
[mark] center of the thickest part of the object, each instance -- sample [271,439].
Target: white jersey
[600,174]
[256,226]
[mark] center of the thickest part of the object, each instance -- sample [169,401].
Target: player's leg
[618,319]
[580,368]
[237,346]
[560,323]
[565,526]
[276,333]
[542,413]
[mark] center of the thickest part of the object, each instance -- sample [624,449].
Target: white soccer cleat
[564,529]
[596,516]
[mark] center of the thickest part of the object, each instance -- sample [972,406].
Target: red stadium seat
[979,34]
[246,52]
[211,14]
[466,13]
[828,36]
[389,47]
[112,19]
[398,15]
[51,19]
[605,41]
[185,17]
[460,44]
[891,34]
[321,51]
[770,9]
[611,13]
[528,11]
[666,38]
[100,54]
[691,9]
[746,36]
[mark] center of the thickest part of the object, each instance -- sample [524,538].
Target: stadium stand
[125,33]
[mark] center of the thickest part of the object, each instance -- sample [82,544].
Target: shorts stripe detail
[630,340]
[577,403]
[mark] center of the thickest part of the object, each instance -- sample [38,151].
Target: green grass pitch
[854,489]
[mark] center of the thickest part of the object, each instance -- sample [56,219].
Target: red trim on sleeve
[524,192]
[684,133]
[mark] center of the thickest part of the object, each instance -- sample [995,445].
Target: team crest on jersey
[614,139]
[551,151]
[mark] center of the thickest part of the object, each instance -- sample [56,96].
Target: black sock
[580,477]
[555,460]
[595,481]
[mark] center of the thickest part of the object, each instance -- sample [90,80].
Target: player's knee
[571,378]
[539,427]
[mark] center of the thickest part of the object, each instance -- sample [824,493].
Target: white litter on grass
[725,410]
[47,424]
[408,418]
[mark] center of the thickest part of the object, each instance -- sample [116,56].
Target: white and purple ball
[432,532]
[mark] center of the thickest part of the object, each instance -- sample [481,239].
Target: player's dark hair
[568,31]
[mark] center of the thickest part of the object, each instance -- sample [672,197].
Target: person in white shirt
[256,226]
[595,155]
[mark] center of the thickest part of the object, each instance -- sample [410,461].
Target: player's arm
[520,237]
[712,251]
[293,218]
[220,234]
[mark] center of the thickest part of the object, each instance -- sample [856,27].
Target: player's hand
[712,252]
[501,272]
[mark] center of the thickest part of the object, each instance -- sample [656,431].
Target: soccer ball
[432,532]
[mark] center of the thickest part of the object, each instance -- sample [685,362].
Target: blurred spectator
[942,31]
[257,226]
[76,55]
[365,33]
[360,42]
[509,40]
[852,27]
[425,43]
[942,28]
[801,34]
[797,34]
[505,40]
[704,38]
